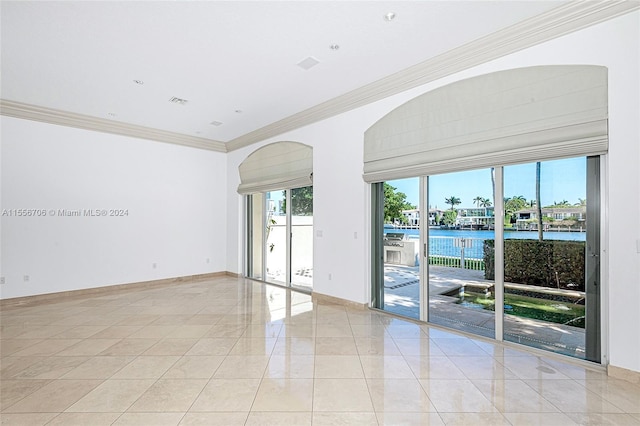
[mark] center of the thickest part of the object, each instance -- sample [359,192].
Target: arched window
[280,165]
[504,167]
[276,181]
[513,116]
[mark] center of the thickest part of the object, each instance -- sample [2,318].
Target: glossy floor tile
[230,351]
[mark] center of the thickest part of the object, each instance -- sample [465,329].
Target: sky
[559,180]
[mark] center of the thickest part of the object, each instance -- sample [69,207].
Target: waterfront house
[468,218]
[476,217]
[570,216]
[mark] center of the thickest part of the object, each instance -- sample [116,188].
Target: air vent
[307,63]
[216,123]
[178,101]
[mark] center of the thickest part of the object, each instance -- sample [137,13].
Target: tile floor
[235,352]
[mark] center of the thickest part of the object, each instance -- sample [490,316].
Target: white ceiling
[224,56]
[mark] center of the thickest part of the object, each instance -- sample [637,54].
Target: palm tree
[485,202]
[563,203]
[478,200]
[453,200]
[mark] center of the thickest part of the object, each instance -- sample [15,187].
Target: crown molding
[557,22]
[86,122]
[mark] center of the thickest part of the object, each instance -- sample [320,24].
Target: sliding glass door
[302,237]
[510,252]
[400,244]
[276,238]
[255,236]
[461,284]
[548,302]
[279,245]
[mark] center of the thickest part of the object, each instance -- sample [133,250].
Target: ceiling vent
[308,63]
[178,101]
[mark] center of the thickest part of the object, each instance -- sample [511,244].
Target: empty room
[320,212]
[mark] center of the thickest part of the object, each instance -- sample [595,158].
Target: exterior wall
[341,211]
[174,196]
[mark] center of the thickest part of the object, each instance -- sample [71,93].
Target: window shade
[513,116]
[280,165]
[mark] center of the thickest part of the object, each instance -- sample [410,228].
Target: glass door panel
[276,238]
[256,230]
[544,255]
[461,235]
[302,237]
[401,247]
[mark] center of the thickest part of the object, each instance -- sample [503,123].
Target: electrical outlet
[208,260]
[329,277]
[154,265]
[25,278]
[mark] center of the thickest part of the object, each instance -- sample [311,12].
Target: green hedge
[540,263]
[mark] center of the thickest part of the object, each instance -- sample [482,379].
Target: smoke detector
[389,16]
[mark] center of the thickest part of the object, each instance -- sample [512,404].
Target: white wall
[340,207]
[174,195]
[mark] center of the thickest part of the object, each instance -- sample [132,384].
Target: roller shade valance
[280,165]
[506,117]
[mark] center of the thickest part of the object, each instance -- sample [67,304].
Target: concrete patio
[402,298]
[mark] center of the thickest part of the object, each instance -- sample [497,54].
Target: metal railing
[466,253]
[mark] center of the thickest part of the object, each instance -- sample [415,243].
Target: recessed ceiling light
[216,123]
[389,16]
[334,46]
[140,82]
[178,101]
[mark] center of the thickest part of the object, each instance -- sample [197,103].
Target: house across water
[474,218]
[570,217]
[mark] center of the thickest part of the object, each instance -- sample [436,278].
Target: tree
[394,204]
[454,201]
[513,204]
[581,202]
[478,200]
[449,217]
[301,201]
[563,203]
[485,202]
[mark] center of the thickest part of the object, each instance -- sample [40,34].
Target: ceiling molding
[86,122]
[565,19]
